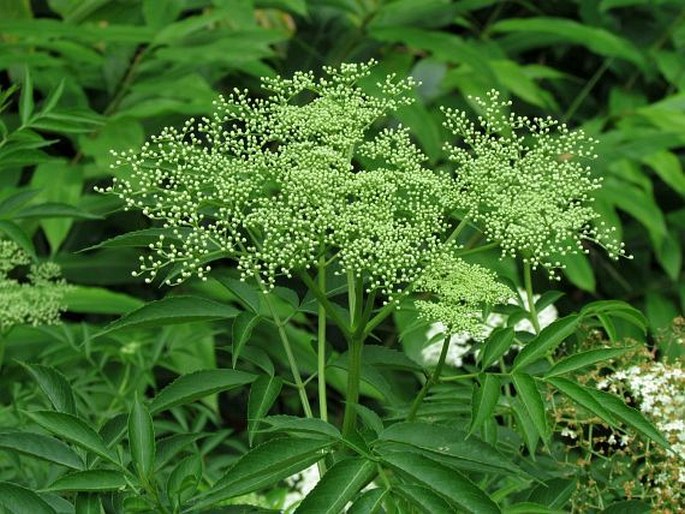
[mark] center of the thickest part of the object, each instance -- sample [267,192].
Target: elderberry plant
[311,184]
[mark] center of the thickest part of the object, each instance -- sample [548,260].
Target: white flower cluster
[37,300]
[460,343]
[300,484]
[523,180]
[659,390]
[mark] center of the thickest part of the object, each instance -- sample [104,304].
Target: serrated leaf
[338,486]
[443,481]
[171,311]
[90,480]
[42,447]
[54,385]
[74,430]
[631,417]
[497,345]
[190,387]
[527,429]
[427,501]
[484,400]
[19,500]
[528,391]
[264,466]
[263,394]
[546,341]
[368,502]
[585,359]
[583,397]
[141,437]
[241,333]
[311,426]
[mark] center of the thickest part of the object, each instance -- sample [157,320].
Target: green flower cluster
[38,300]
[525,182]
[274,183]
[461,293]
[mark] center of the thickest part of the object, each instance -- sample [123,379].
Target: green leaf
[98,300]
[338,486]
[55,386]
[628,507]
[667,165]
[51,101]
[596,39]
[54,210]
[585,359]
[583,396]
[528,391]
[242,331]
[42,447]
[72,429]
[497,345]
[617,309]
[190,387]
[141,437]
[17,234]
[90,480]
[247,293]
[631,417]
[442,480]
[554,493]
[18,500]
[578,270]
[311,426]
[525,426]
[87,503]
[264,466]
[484,401]
[26,98]
[170,311]
[184,478]
[470,454]
[263,394]
[546,341]
[369,502]
[426,500]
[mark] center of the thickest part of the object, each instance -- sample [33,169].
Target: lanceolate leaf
[339,485]
[584,359]
[443,481]
[264,466]
[425,500]
[19,500]
[310,426]
[55,386]
[631,417]
[91,480]
[172,310]
[484,400]
[242,330]
[546,341]
[193,386]
[527,390]
[263,394]
[496,346]
[42,447]
[368,502]
[141,436]
[583,397]
[74,430]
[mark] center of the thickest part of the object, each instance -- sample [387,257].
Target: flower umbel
[525,182]
[38,300]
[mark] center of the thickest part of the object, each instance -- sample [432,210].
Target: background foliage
[82,77]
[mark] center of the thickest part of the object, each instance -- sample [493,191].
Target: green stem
[432,379]
[354,368]
[321,350]
[529,294]
[289,354]
[326,303]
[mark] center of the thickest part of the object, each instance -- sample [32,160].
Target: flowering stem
[529,294]
[289,354]
[432,379]
[321,350]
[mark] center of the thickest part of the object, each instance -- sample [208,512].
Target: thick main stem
[529,294]
[431,380]
[321,349]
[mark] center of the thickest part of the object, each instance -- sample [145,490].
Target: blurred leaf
[90,480]
[578,271]
[18,500]
[42,447]
[26,98]
[98,300]
[339,485]
[190,387]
